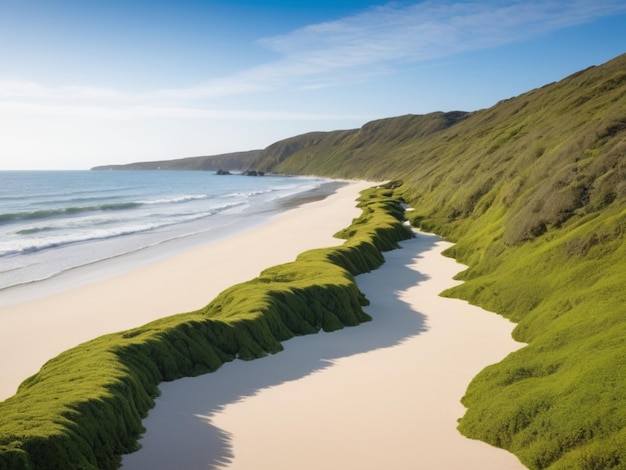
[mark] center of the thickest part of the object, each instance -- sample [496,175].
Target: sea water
[55,221]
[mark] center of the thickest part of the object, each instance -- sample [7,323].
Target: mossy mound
[84,408]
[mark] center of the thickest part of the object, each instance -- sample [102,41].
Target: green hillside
[533,190]
[236,161]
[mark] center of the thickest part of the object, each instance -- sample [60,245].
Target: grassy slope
[236,161]
[84,408]
[533,190]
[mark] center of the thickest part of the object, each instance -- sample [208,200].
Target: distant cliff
[356,152]
[236,161]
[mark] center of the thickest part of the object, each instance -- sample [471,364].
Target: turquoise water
[54,221]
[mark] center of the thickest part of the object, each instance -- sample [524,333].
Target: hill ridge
[233,161]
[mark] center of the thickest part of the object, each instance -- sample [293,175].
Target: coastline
[383,395]
[96,271]
[386,414]
[127,295]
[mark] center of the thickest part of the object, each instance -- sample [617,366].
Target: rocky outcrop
[253,173]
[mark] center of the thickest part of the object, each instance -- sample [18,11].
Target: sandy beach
[384,394]
[34,331]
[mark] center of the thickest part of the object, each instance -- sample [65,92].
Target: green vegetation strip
[84,408]
[559,402]
[533,193]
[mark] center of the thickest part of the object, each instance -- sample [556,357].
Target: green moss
[84,407]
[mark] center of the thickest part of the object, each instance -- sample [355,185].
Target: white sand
[31,332]
[381,395]
[384,394]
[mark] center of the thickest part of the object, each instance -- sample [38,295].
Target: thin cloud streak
[331,54]
[430,30]
[375,41]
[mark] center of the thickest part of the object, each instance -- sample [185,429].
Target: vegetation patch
[533,193]
[84,407]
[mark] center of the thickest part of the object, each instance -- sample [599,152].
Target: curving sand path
[384,394]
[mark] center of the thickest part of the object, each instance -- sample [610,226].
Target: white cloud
[334,53]
[375,41]
[428,30]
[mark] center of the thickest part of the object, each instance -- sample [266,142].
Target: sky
[94,82]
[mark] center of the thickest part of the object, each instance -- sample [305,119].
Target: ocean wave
[12,269]
[249,194]
[279,191]
[12,281]
[92,222]
[286,193]
[175,199]
[33,230]
[34,244]
[63,211]
[73,207]
[31,245]
[52,222]
[107,206]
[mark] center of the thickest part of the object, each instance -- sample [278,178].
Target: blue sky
[84,83]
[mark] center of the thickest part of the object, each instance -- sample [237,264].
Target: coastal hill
[533,192]
[234,161]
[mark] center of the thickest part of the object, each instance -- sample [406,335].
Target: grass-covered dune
[533,192]
[84,408]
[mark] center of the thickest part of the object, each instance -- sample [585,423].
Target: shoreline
[362,395]
[385,394]
[103,269]
[36,330]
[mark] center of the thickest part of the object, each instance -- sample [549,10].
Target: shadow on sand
[179,429]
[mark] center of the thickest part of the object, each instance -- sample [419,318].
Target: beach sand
[385,394]
[34,331]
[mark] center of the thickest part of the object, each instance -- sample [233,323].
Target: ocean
[52,222]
